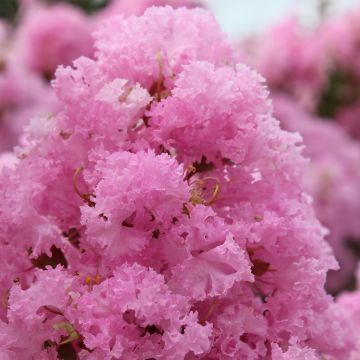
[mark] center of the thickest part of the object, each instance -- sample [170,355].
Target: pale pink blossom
[171,221]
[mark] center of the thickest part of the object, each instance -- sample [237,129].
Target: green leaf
[8,9]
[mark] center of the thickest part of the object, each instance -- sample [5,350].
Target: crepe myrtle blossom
[292,59]
[161,215]
[48,36]
[23,94]
[318,66]
[349,302]
[333,180]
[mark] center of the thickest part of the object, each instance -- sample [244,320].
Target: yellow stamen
[85,197]
[75,180]
[123,97]
[189,172]
[197,194]
[214,194]
[5,299]
[212,308]
[160,78]
[66,326]
[89,280]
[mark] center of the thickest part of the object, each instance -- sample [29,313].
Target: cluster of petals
[318,65]
[161,213]
[44,37]
[340,37]
[292,59]
[332,179]
[30,52]
[23,94]
[48,36]
[349,302]
[313,74]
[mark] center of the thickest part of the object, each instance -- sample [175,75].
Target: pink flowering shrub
[52,36]
[317,69]
[22,93]
[44,37]
[333,180]
[292,59]
[318,66]
[341,99]
[341,35]
[160,214]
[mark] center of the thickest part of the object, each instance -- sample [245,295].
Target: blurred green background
[9,8]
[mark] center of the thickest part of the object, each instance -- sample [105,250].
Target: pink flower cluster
[333,180]
[350,303]
[30,54]
[317,66]
[160,214]
[45,37]
[341,37]
[52,36]
[22,96]
[313,76]
[292,59]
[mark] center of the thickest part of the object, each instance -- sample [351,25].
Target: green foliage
[87,5]
[342,90]
[8,9]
